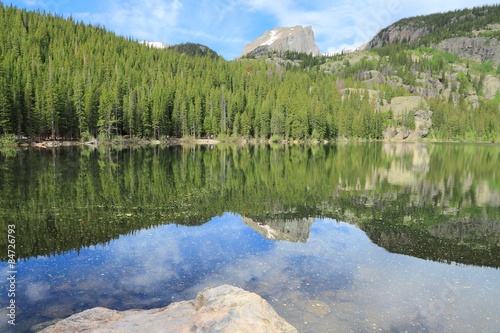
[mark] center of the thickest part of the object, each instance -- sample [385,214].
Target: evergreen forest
[64,79]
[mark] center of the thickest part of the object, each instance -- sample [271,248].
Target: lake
[355,237]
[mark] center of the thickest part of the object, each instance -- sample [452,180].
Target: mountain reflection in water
[151,224]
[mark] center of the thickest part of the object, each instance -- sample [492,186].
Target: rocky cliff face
[474,48]
[298,39]
[396,34]
[224,309]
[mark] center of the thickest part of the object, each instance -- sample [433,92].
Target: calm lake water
[343,238]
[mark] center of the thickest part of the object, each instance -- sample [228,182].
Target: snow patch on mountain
[154,45]
[272,38]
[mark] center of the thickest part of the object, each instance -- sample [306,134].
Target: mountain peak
[282,39]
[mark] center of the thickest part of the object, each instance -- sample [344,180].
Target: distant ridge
[434,28]
[193,49]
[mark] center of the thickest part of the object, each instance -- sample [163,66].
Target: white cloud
[220,25]
[337,25]
[33,2]
[344,24]
[146,19]
[37,291]
[227,25]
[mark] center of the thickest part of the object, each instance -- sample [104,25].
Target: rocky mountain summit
[297,39]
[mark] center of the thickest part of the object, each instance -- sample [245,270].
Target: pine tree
[5,106]
[78,101]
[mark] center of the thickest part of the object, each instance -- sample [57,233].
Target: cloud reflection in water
[337,281]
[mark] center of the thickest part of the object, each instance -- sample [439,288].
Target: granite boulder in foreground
[221,309]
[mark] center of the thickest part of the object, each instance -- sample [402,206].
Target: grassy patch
[7,140]
[485,67]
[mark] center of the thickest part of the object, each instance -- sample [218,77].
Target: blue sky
[227,25]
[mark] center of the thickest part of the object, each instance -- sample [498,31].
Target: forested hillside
[66,79]
[63,79]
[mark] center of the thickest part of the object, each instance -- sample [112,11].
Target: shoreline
[211,142]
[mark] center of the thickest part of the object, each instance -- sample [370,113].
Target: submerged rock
[221,309]
[318,307]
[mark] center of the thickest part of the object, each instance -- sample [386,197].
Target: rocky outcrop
[397,133]
[402,107]
[298,39]
[491,86]
[222,309]
[423,123]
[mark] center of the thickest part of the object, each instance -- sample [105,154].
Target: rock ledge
[222,309]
